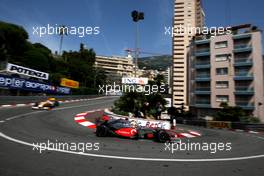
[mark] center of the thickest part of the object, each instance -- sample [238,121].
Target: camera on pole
[137,16]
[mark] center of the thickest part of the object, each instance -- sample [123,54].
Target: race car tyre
[162,136]
[56,103]
[101,131]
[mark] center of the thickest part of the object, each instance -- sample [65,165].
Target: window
[178,100]
[179,7]
[221,84]
[221,44]
[178,95]
[222,98]
[179,3]
[179,15]
[222,57]
[222,71]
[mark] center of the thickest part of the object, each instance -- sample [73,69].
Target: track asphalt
[22,128]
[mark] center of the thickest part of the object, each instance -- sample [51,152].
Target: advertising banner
[69,83]
[132,80]
[24,84]
[26,71]
[218,124]
[142,122]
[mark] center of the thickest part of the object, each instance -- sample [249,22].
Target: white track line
[121,157]
[133,158]
[194,133]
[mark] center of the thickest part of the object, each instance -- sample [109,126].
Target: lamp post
[137,16]
[62,32]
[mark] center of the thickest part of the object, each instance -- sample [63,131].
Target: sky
[113,17]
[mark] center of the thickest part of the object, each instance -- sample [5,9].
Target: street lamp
[137,16]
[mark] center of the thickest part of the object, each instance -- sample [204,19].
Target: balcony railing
[243,76]
[244,90]
[243,62]
[242,48]
[242,36]
[246,105]
[202,52]
[242,73]
[203,90]
[200,65]
[203,41]
[203,77]
[203,103]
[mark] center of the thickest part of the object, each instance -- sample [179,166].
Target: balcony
[203,77]
[201,65]
[246,105]
[202,91]
[243,76]
[242,48]
[204,41]
[202,52]
[242,36]
[203,104]
[244,90]
[240,62]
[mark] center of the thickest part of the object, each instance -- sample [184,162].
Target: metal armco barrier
[248,126]
[224,124]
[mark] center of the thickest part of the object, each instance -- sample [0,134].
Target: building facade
[187,14]
[115,67]
[227,68]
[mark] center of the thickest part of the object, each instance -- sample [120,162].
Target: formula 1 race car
[123,128]
[46,105]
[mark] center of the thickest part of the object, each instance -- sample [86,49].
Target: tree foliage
[132,101]
[233,114]
[76,65]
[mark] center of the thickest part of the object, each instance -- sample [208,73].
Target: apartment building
[227,68]
[187,14]
[115,67]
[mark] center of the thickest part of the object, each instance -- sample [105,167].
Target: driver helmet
[52,99]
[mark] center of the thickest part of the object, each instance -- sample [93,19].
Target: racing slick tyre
[101,131]
[162,136]
[56,103]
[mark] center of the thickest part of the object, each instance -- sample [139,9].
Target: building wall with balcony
[227,68]
[222,64]
[258,74]
[115,67]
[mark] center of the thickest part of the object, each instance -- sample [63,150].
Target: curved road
[21,127]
